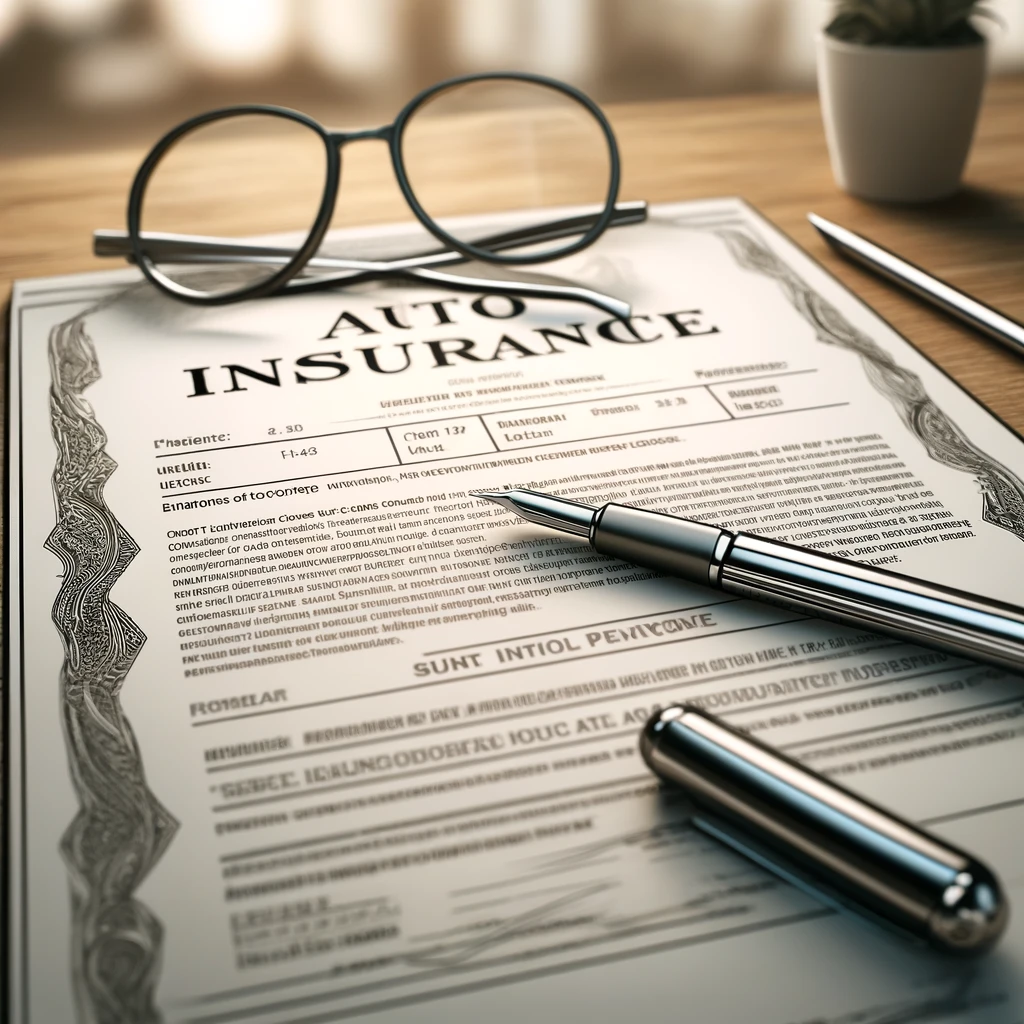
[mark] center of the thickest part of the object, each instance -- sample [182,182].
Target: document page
[298,730]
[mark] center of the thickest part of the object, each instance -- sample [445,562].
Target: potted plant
[900,84]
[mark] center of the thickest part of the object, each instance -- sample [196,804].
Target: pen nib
[544,509]
[499,499]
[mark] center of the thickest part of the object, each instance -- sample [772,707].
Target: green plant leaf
[907,22]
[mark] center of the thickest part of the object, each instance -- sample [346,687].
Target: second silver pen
[769,570]
[922,284]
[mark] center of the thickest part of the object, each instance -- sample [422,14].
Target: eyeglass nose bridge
[341,138]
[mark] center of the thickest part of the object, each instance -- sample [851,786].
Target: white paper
[298,731]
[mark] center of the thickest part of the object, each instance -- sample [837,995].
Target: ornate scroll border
[1002,491]
[121,830]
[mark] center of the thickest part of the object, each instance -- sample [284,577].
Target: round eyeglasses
[543,146]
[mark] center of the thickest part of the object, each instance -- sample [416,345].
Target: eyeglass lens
[504,145]
[275,170]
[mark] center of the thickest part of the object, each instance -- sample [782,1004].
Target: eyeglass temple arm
[631,212]
[199,248]
[460,282]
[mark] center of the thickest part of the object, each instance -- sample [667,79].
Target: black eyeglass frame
[333,142]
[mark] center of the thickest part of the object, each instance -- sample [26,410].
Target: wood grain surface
[770,149]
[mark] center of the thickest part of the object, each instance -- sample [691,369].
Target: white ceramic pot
[899,120]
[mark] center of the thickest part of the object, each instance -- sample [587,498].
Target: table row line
[488,433]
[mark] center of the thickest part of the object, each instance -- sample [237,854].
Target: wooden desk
[768,149]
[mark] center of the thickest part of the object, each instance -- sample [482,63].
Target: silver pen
[922,284]
[783,574]
[822,837]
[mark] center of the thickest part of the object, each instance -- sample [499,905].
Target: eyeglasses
[534,141]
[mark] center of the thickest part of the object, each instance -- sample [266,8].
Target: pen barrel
[919,282]
[821,836]
[874,599]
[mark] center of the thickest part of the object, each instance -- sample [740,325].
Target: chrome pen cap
[822,837]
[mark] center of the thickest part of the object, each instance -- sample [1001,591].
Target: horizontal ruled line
[480,675]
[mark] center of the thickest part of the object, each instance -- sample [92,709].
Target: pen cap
[822,836]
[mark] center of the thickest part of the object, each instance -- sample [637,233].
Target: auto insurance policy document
[300,731]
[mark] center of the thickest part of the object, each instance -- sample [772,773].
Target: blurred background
[108,72]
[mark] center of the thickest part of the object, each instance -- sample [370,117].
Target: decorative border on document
[121,830]
[1001,490]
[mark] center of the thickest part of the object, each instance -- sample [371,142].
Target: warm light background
[77,73]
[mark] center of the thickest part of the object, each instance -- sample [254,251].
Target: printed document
[299,731]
